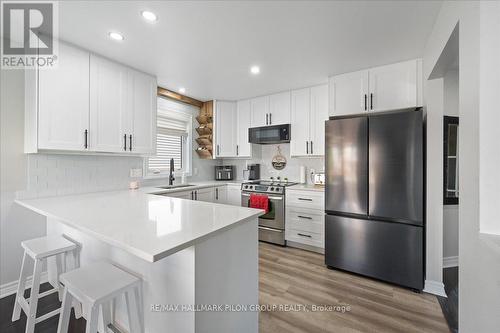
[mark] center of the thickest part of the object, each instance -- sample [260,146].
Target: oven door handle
[270,198]
[270,229]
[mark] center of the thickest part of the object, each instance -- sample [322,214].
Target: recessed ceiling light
[255,69]
[149,16]
[182,90]
[116,35]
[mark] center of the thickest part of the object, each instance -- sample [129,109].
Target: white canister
[302,174]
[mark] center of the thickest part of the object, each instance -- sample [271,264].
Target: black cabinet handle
[305,199]
[130,137]
[86,144]
[307,147]
[195,195]
[237,150]
[192,195]
[366,102]
[125,142]
[270,119]
[218,149]
[312,148]
[371,101]
[267,118]
[216,194]
[304,217]
[304,235]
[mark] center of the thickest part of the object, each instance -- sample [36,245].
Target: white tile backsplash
[291,170]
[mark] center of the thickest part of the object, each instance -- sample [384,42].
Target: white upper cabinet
[279,108]
[393,86]
[225,127]
[89,104]
[309,113]
[142,133]
[259,111]
[63,102]
[349,93]
[318,116]
[109,106]
[243,148]
[301,107]
[384,88]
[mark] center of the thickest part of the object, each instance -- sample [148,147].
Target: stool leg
[140,307]
[93,319]
[76,264]
[63,325]
[31,320]
[59,271]
[21,285]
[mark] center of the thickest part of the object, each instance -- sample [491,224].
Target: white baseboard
[435,288]
[10,288]
[450,262]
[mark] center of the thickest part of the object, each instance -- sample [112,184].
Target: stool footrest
[48,292]
[48,315]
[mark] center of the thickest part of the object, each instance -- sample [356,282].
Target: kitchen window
[173,140]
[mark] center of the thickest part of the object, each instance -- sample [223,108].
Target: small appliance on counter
[319,179]
[224,172]
[252,172]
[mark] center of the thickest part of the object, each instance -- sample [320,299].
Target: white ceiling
[208,47]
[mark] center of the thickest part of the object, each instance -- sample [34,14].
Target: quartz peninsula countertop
[148,226]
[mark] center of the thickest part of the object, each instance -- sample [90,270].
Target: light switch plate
[135,173]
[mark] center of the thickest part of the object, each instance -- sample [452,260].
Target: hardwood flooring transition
[291,276]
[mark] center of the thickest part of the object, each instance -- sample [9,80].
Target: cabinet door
[225,118]
[393,86]
[233,195]
[205,194]
[63,101]
[243,148]
[109,113]
[259,109]
[143,117]
[220,194]
[349,93]
[319,114]
[301,104]
[279,108]
[183,195]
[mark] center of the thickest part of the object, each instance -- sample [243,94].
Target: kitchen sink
[169,187]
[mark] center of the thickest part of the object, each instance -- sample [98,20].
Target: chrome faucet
[171,175]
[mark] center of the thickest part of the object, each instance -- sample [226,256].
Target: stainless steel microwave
[269,134]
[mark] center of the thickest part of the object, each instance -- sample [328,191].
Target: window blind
[170,138]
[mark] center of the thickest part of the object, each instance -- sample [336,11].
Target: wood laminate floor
[293,276]
[290,277]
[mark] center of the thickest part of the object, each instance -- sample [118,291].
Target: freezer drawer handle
[270,229]
[304,235]
[304,217]
[305,199]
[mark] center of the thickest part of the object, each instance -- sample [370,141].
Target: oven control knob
[246,186]
[272,188]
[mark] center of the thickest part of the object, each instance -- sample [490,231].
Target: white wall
[479,256]
[450,212]
[39,175]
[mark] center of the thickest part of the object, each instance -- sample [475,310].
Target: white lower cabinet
[182,195]
[229,194]
[305,219]
[220,194]
[204,194]
[233,194]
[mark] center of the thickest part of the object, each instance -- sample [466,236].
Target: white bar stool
[41,249]
[97,286]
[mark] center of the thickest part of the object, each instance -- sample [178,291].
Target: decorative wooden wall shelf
[205,129]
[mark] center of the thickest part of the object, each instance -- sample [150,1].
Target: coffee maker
[252,172]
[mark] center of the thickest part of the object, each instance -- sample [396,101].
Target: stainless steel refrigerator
[374,222]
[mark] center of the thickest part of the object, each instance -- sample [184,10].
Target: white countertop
[307,187]
[146,225]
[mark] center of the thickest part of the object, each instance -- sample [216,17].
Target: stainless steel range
[271,224]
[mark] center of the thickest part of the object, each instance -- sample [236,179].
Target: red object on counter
[259,201]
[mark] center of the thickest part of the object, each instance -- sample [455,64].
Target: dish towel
[259,201]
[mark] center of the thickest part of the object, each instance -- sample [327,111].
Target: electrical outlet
[135,173]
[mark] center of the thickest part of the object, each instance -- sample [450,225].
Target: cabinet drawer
[305,220]
[305,237]
[306,199]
